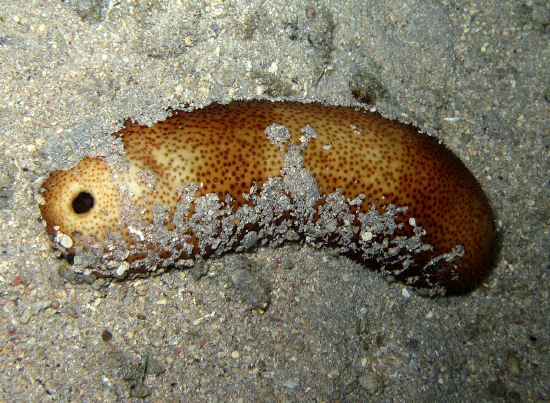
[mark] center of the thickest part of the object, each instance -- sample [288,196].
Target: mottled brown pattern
[62,187]
[224,148]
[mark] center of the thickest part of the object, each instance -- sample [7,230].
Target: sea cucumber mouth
[83,203]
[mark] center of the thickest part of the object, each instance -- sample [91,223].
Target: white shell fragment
[64,240]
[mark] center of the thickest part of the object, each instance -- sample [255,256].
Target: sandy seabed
[475,75]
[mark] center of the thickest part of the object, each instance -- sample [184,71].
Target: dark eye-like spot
[83,203]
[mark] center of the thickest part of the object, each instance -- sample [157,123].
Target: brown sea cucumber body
[229,177]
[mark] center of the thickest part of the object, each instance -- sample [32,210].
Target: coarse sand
[476,75]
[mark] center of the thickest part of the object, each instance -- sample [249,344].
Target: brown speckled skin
[225,147]
[61,188]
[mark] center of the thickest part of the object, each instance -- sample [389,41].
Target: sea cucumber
[254,173]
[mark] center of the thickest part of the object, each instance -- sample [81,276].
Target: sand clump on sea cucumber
[253,173]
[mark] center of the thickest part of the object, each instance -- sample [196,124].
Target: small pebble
[64,240]
[372,383]
[291,383]
[106,336]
